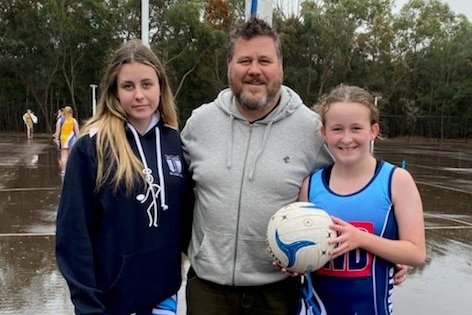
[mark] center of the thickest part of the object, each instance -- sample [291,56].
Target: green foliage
[417,62]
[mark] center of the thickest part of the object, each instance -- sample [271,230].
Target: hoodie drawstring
[229,151]
[153,190]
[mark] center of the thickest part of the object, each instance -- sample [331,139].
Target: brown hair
[252,28]
[347,93]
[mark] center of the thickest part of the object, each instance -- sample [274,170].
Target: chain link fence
[438,127]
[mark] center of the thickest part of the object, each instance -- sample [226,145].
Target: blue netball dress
[356,282]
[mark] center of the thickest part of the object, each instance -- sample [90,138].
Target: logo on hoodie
[175,165]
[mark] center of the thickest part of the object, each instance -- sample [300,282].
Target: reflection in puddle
[31,161]
[30,187]
[29,277]
[443,285]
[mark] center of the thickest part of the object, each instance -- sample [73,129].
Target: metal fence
[440,127]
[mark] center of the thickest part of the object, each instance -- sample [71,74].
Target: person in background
[29,119]
[376,209]
[125,196]
[67,129]
[59,113]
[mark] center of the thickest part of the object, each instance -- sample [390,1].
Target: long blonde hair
[115,158]
[68,112]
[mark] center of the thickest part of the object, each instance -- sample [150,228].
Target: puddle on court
[30,187]
[444,176]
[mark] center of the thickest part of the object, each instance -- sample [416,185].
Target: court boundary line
[448,227]
[27,234]
[29,189]
[464,224]
[447,217]
[444,187]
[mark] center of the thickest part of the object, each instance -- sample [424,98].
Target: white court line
[446,217]
[29,189]
[451,227]
[464,224]
[444,187]
[26,234]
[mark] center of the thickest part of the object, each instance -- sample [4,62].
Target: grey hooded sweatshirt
[244,172]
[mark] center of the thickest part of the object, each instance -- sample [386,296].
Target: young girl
[122,205]
[376,210]
[67,129]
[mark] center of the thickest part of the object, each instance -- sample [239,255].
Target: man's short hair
[252,28]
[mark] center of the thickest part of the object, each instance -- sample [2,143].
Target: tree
[418,61]
[434,44]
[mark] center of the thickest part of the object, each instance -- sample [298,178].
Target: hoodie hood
[226,102]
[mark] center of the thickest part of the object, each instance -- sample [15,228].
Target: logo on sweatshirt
[175,165]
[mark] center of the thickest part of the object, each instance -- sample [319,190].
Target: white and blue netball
[298,235]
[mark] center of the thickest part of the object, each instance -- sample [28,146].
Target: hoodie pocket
[216,253]
[219,256]
[146,278]
[253,257]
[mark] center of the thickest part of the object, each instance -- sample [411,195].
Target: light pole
[94,98]
[145,22]
[376,99]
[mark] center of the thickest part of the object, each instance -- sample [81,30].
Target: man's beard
[250,103]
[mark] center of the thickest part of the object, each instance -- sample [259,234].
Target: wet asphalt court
[29,193]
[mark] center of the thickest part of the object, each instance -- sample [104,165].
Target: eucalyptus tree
[83,36]
[317,47]
[434,44]
[30,54]
[371,63]
[125,17]
[53,48]
[374,62]
[191,38]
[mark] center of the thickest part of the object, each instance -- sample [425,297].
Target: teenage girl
[119,235]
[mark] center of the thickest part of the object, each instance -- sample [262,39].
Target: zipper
[241,186]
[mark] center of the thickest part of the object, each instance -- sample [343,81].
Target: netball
[298,235]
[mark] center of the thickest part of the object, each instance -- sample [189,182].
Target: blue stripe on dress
[166,307]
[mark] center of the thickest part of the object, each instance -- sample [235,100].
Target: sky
[457,6]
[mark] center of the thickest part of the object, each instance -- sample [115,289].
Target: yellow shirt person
[30,119]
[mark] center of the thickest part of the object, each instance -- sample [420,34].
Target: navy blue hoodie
[121,252]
